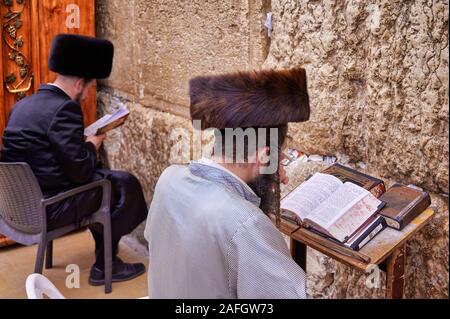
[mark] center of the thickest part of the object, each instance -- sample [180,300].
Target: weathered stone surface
[143,144]
[427,256]
[378,81]
[161,44]
[114,22]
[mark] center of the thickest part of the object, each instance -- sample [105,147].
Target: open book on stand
[332,207]
[349,208]
[339,203]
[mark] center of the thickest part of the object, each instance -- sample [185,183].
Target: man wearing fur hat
[208,237]
[46,130]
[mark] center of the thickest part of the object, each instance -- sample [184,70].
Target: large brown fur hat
[250,99]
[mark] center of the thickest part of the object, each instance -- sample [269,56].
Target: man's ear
[79,84]
[262,155]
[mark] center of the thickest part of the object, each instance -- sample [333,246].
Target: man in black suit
[46,130]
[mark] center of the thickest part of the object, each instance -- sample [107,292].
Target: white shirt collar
[212,163]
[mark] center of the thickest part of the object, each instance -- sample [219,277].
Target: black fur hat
[250,99]
[82,56]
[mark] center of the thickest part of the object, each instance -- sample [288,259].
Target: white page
[93,128]
[355,217]
[105,120]
[118,114]
[305,198]
[339,202]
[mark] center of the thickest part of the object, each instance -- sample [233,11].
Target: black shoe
[120,272]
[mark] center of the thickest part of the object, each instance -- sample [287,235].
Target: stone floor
[17,262]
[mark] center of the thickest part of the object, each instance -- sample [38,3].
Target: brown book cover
[112,125]
[345,174]
[107,122]
[403,204]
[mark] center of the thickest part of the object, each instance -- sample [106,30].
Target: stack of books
[350,207]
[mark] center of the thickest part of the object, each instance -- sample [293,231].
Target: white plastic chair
[38,286]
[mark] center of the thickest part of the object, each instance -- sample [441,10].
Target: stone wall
[161,44]
[378,82]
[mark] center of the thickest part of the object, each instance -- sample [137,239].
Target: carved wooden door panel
[27,29]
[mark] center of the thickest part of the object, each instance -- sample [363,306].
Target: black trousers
[128,209]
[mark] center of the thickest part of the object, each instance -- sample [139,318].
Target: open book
[332,207]
[107,122]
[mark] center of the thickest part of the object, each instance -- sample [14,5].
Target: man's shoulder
[172,178]
[221,198]
[206,202]
[173,171]
[44,104]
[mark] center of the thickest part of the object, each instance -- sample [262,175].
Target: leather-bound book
[345,174]
[403,204]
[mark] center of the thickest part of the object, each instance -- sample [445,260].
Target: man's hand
[283,176]
[97,140]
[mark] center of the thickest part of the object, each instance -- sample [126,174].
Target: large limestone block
[148,142]
[144,144]
[114,21]
[378,81]
[141,146]
[161,44]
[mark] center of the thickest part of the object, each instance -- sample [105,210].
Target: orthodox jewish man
[46,130]
[208,237]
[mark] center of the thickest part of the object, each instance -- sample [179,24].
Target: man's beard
[266,187]
[78,98]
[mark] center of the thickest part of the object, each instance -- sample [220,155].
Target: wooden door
[59,16]
[16,49]
[27,29]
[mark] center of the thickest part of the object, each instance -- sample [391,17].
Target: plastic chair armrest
[104,184]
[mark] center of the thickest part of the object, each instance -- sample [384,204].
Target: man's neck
[239,170]
[63,86]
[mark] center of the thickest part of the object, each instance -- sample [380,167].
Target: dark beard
[268,189]
[78,98]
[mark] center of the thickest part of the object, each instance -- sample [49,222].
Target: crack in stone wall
[378,81]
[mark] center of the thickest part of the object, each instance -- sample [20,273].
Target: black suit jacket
[45,130]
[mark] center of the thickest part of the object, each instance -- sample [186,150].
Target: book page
[355,217]
[306,197]
[337,204]
[121,112]
[94,127]
[105,121]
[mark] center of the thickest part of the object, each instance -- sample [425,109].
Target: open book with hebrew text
[336,209]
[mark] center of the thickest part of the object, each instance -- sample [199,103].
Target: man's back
[205,241]
[45,130]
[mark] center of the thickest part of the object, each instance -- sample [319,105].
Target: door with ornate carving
[27,29]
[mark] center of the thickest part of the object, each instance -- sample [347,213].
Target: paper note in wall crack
[268,24]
